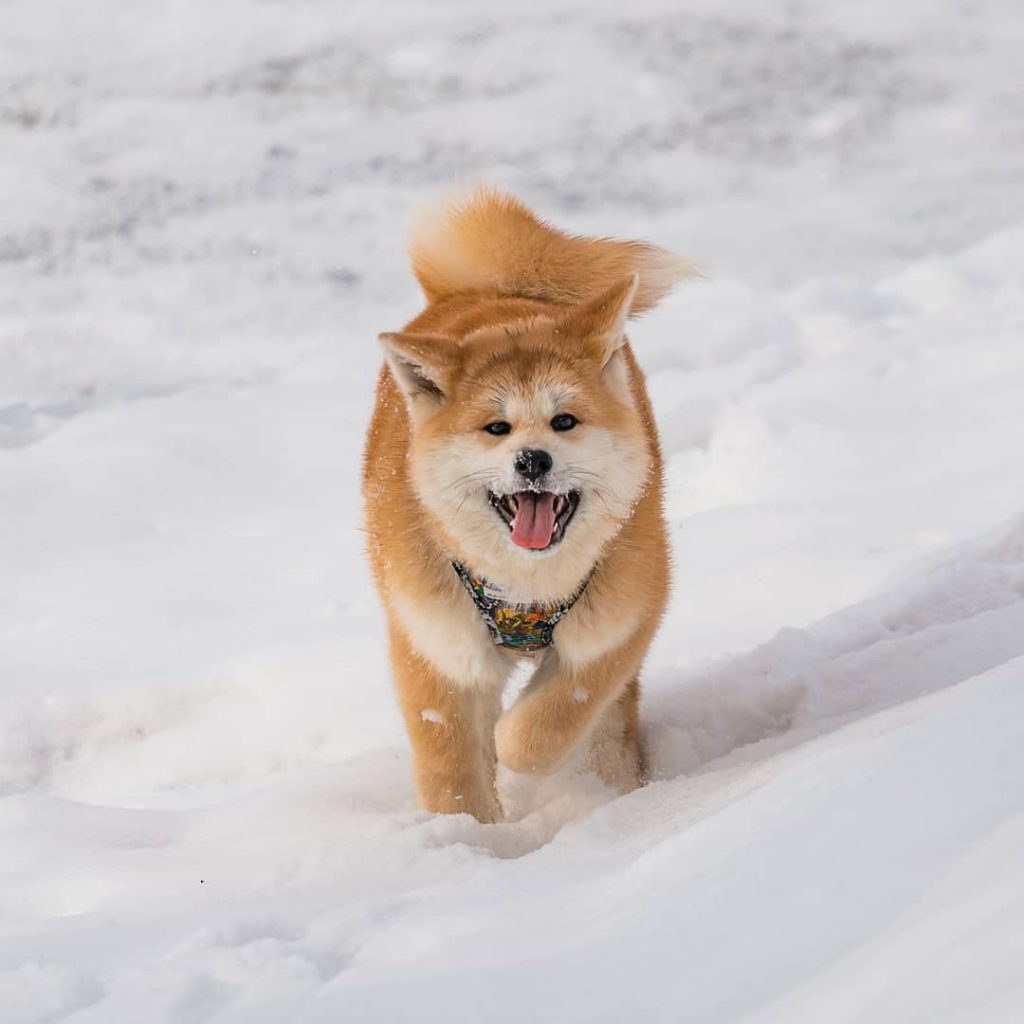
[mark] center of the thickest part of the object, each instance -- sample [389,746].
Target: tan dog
[513,486]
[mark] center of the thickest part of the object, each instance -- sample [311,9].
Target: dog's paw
[525,743]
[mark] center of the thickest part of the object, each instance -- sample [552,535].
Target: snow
[205,794]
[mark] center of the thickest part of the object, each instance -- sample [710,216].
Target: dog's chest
[523,628]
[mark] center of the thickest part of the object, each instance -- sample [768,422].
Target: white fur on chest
[453,638]
[587,634]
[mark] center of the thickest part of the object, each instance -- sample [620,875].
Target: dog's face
[526,442]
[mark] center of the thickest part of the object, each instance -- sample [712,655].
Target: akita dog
[513,487]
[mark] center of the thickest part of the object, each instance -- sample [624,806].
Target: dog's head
[526,440]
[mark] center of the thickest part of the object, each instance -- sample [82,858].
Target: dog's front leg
[451,729]
[562,705]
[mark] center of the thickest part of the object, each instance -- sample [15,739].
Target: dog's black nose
[532,463]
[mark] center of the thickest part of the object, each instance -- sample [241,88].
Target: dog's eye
[564,421]
[498,427]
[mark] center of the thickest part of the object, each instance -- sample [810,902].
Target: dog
[513,490]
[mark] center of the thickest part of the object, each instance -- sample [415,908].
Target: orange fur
[492,241]
[523,323]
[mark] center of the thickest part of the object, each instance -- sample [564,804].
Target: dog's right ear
[601,322]
[422,364]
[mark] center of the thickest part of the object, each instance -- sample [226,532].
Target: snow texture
[205,794]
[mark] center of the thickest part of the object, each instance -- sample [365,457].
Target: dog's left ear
[423,366]
[601,322]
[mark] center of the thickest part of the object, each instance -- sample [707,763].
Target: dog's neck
[524,628]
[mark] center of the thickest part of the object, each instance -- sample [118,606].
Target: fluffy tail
[491,240]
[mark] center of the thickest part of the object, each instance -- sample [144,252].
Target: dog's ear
[601,322]
[422,364]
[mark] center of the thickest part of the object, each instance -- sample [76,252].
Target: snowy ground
[206,806]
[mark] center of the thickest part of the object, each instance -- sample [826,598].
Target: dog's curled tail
[492,241]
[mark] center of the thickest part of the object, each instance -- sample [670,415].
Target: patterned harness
[520,627]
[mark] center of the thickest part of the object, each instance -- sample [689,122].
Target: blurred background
[177,177]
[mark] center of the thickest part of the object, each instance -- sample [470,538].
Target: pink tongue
[534,523]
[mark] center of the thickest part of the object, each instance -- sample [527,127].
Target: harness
[520,627]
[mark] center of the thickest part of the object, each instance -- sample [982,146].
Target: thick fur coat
[512,434]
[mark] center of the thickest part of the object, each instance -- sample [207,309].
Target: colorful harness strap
[521,627]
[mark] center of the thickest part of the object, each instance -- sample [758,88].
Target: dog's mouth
[538,519]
